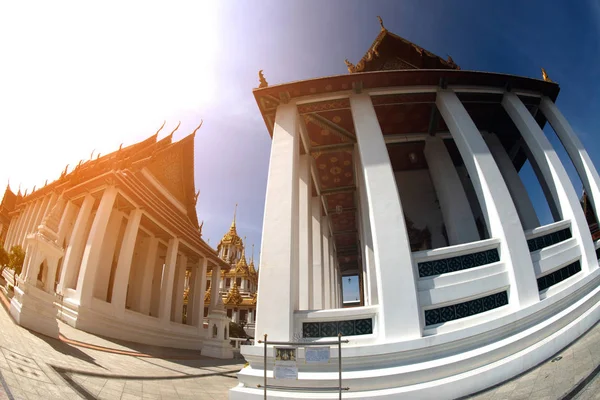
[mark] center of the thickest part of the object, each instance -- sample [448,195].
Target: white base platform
[32,308]
[442,366]
[217,349]
[131,326]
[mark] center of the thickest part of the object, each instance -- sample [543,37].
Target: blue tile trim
[332,328]
[540,242]
[557,276]
[468,308]
[458,263]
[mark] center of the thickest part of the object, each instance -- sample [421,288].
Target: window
[229,313]
[228,282]
[238,281]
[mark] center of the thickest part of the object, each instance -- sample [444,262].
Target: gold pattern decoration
[337,119]
[328,87]
[233,297]
[333,160]
[346,163]
[207,296]
[261,78]
[545,76]
[351,67]
[348,174]
[322,166]
[336,180]
[335,170]
[325,132]
[186,295]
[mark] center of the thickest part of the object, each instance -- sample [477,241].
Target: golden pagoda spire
[545,76]
[232,227]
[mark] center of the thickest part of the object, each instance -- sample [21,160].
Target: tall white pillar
[29,211]
[66,219]
[317,253]
[214,286]
[148,275]
[75,248]
[11,232]
[494,198]
[199,289]
[517,190]
[31,224]
[456,210]
[555,176]
[178,290]
[391,246]
[578,154]
[41,212]
[93,247]
[279,254]
[305,258]
[368,256]
[121,280]
[326,265]
[166,287]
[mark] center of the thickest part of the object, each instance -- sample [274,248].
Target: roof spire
[381,23]
[545,76]
[261,78]
[177,127]
[201,122]
[252,261]
[159,129]
[234,214]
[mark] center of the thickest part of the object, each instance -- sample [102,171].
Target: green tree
[16,259]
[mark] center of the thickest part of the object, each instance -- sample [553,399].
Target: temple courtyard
[85,366]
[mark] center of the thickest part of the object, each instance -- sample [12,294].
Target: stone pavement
[573,373]
[85,366]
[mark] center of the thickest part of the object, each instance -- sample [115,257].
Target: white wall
[419,203]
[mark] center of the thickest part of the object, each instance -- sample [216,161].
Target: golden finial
[201,122]
[92,155]
[450,60]
[196,197]
[381,23]
[46,183]
[234,215]
[120,146]
[545,76]
[159,129]
[33,190]
[177,127]
[262,80]
[351,67]
[98,156]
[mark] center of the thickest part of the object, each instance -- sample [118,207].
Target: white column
[93,247]
[214,286]
[149,267]
[75,248]
[31,224]
[41,212]
[30,210]
[278,277]
[494,198]
[578,154]
[391,246]
[332,266]
[326,265]
[199,290]
[317,252]
[456,210]
[555,176]
[178,290]
[305,258]
[68,214]
[517,190]
[166,287]
[11,232]
[121,280]
[368,256]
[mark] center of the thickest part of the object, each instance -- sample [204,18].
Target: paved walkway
[34,366]
[573,373]
[85,366]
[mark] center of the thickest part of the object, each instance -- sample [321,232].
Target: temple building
[405,173]
[9,200]
[237,285]
[111,247]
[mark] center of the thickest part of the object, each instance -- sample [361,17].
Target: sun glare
[82,77]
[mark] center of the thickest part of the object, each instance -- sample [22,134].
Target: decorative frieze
[549,239]
[466,309]
[332,328]
[458,263]
[560,275]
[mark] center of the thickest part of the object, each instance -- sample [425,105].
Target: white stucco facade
[435,329]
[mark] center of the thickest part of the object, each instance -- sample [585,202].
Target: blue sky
[80,78]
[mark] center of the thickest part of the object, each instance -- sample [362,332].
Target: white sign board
[317,355]
[289,371]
